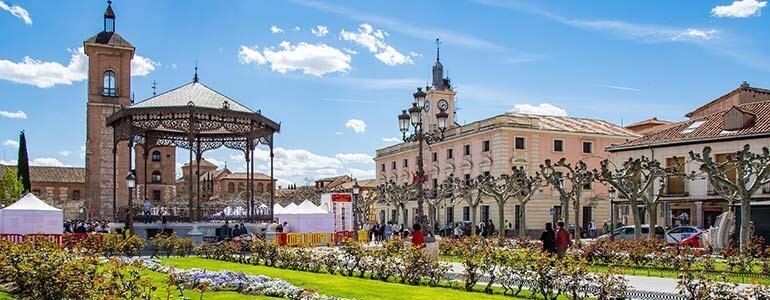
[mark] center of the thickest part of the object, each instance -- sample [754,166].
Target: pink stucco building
[493,146]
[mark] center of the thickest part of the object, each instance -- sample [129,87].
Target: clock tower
[109,89]
[440,95]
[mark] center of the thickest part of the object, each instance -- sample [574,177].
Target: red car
[692,241]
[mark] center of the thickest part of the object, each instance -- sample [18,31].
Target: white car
[678,234]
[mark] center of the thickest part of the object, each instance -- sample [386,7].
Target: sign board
[341,205]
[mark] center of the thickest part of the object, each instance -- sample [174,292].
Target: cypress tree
[23,163]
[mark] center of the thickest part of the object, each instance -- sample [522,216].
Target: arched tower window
[156,177]
[231,187]
[109,89]
[156,155]
[260,188]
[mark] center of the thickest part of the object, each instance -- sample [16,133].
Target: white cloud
[416,30]
[8,162]
[697,34]
[313,59]
[338,133]
[374,41]
[299,163]
[362,174]
[217,162]
[142,66]
[542,109]
[391,140]
[247,55]
[357,125]
[276,29]
[11,143]
[16,11]
[45,74]
[65,153]
[739,9]
[617,87]
[320,30]
[47,162]
[83,152]
[359,158]
[350,51]
[13,115]
[296,28]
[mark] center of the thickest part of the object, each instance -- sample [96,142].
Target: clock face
[443,105]
[427,106]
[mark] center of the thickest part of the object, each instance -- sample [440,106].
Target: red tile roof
[52,174]
[711,129]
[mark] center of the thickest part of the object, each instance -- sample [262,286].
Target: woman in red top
[418,240]
[562,240]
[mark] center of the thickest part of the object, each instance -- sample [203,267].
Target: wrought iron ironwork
[198,129]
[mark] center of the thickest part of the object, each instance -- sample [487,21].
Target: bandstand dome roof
[199,94]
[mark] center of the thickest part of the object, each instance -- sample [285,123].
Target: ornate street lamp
[612,194]
[421,136]
[356,195]
[131,183]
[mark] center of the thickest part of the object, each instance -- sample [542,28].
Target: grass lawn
[337,285]
[5,296]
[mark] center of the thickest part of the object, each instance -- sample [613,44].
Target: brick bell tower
[109,88]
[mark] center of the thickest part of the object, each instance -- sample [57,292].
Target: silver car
[627,233]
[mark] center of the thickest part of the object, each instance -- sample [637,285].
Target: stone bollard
[195,234]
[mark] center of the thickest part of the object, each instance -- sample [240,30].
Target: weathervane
[154,85]
[195,78]
[438,47]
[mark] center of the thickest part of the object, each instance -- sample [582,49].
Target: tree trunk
[501,216]
[564,209]
[522,219]
[652,212]
[405,212]
[473,219]
[577,218]
[637,219]
[746,231]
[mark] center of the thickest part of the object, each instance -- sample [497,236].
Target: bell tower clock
[109,88]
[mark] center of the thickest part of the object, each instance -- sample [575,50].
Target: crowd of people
[81,226]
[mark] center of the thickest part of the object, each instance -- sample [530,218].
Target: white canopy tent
[31,215]
[306,217]
[277,209]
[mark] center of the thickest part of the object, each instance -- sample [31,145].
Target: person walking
[491,228]
[592,229]
[388,231]
[547,238]
[562,240]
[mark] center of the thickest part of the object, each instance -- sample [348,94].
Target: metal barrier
[15,238]
[20,238]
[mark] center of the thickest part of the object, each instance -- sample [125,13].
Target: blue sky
[622,61]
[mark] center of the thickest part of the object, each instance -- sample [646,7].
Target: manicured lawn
[336,285]
[5,296]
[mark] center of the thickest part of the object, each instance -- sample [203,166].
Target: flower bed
[203,280]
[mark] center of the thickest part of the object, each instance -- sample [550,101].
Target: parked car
[680,233]
[627,233]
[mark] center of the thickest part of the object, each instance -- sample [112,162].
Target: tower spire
[109,18]
[438,47]
[154,85]
[195,78]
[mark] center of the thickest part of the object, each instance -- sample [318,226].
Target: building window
[558,145]
[155,176]
[466,213]
[393,165]
[109,89]
[675,181]
[76,195]
[434,157]
[450,214]
[486,173]
[260,188]
[520,143]
[466,150]
[406,163]
[588,147]
[382,167]
[156,155]
[587,186]
[155,195]
[485,214]
[449,153]
[231,187]
[485,146]
[467,178]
